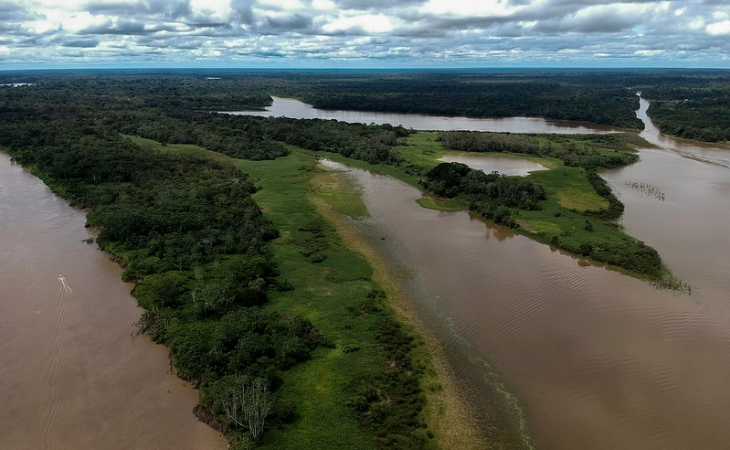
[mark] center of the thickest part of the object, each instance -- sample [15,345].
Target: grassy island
[568,206]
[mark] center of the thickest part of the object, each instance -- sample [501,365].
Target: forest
[692,106]
[188,232]
[685,103]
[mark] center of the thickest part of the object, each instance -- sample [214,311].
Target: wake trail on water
[50,440]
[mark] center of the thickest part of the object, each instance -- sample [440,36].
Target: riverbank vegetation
[187,231]
[278,323]
[568,206]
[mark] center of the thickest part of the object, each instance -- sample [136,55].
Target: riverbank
[295,194]
[288,185]
[306,194]
[573,217]
[73,376]
[447,410]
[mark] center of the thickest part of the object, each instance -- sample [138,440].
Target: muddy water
[700,151]
[595,360]
[678,200]
[298,110]
[72,375]
[504,165]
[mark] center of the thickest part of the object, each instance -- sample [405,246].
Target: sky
[364,33]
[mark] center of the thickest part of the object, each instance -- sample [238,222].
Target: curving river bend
[594,359]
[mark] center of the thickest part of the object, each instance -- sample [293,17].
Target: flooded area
[594,358]
[504,165]
[73,376]
[677,200]
[298,110]
[681,207]
[588,357]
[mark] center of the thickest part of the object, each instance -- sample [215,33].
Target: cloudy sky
[364,33]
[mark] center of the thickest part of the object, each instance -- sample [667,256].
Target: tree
[248,404]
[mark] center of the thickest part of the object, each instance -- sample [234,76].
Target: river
[73,376]
[677,200]
[594,359]
[286,107]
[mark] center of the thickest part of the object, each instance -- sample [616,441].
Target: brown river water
[287,107]
[503,165]
[592,358]
[71,374]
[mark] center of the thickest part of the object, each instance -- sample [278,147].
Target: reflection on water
[596,360]
[72,375]
[504,165]
[283,107]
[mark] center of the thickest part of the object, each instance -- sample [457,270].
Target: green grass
[570,188]
[326,293]
[579,200]
[342,193]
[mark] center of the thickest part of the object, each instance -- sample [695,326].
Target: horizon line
[414,68]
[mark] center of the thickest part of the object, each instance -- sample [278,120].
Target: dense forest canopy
[187,231]
[686,103]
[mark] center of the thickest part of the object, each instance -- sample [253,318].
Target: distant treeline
[686,103]
[479,95]
[259,138]
[693,106]
[177,110]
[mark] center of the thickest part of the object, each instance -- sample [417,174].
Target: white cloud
[371,23]
[719,28]
[213,9]
[83,20]
[324,5]
[285,5]
[464,31]
[470,8]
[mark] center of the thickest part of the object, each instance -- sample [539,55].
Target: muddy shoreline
[464,412]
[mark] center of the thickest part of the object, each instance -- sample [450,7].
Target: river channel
[593,359]
[286,107]
[73,376]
